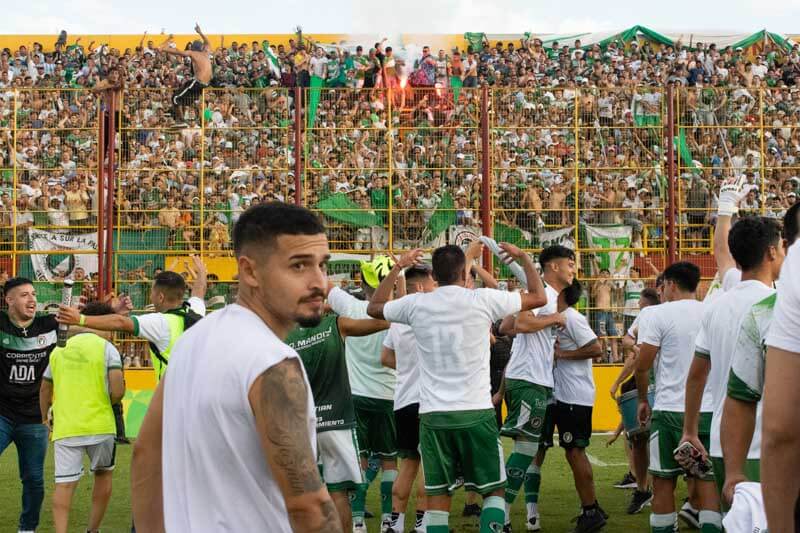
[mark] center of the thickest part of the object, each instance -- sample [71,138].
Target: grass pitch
[558,502]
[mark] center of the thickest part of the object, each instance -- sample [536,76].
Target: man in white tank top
[229,441]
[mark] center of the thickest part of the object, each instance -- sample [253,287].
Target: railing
[387,169]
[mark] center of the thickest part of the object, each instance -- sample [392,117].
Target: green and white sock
[710,522]
[533,479]
[663,523]
[358,502]
[437,522]
[387,480]
[493,515]
[517,465]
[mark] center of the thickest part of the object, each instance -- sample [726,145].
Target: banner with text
[55,262]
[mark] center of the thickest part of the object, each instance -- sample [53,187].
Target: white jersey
[633,290]
[401,339]
[717,339]
[574,381]
[155,328]
[215,476]
[452,326]
[368,378]
[746,381]
[785,330]
[673,327]
[532,353]
[717,287]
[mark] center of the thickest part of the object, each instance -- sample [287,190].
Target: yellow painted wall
[605,417]
[131,41]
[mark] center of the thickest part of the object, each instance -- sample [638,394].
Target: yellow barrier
[604,418]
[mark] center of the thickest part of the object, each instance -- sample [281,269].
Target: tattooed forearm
[284,400]
[330,518]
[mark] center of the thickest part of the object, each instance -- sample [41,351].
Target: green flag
[342,209]
[456,83]
[443,217]
[317,84]
[274,64]
[685,153]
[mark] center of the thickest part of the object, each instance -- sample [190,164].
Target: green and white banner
[55,262]
[610,237]
[563,237]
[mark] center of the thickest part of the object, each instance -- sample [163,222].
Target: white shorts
[69,459]
[338,460]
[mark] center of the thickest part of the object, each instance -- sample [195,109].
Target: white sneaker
[385,525]
[533,523]
[360,528]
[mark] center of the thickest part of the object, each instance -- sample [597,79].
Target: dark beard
[309,321]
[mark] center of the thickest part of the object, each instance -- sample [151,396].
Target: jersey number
[22,374]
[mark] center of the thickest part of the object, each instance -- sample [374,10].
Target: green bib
[81,403]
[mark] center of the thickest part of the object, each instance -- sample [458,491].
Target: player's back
[718,335]
[673,326]
[215,475]
[451,325]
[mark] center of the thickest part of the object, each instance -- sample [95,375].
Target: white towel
[747,512]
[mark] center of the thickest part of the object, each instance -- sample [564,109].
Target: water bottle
[66,299]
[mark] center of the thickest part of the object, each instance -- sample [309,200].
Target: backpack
[190,318]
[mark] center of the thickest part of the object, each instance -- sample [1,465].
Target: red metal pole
[298,146]
[110,184]
[100,197]
[671,226]
[486,169]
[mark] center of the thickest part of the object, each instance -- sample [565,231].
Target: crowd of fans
[573,129]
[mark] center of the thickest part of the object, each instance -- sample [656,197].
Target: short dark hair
[659,280]
[651,296]
[554,252]
[97,309]
[262,224]
[684,274]
[750,238]
[417,272]
[171,283]
[572,293]
[448,264]
[791,224]
[13,283]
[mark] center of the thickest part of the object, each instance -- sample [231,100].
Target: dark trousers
[31,443]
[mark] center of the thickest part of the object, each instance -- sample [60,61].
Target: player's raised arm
[279,400]
[349,327]
[384,290]
[730,195]
[535,297]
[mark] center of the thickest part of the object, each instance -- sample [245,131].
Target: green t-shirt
[321,349]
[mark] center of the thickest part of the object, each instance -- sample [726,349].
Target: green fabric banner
[342,209]
[456,83]
[317,84]
[475,40]
[443,217]
[684,152]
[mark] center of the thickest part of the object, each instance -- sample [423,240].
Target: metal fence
[387,169]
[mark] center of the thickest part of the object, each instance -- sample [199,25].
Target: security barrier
[110,189]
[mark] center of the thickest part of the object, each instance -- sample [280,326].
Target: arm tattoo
[284,402]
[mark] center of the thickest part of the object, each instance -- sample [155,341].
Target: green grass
[558,502]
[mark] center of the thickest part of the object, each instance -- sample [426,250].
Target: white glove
[517,270]
[730,194]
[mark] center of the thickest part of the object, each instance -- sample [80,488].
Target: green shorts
[527,405]
[752,471]
[461,444]
[666,430]
[375,427]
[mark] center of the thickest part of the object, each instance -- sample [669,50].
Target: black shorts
[574,423]
[407,422]
[189,92]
